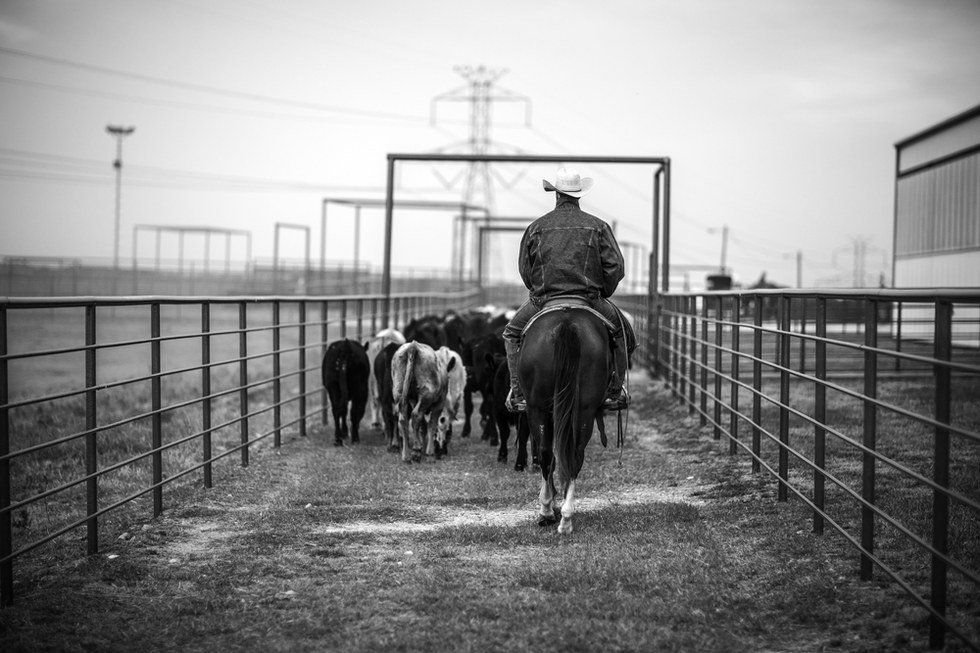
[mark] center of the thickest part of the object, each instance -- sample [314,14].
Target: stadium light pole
[119,133]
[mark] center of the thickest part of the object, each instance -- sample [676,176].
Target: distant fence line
[68,277]
[104,393]
[814,364]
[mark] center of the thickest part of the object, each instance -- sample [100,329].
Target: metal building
[937,205]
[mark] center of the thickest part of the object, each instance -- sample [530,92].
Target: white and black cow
[375,345]
[455,385]
[418,384]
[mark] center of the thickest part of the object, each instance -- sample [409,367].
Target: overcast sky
[779,116]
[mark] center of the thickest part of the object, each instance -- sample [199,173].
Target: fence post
[324,312]
[783,360]
[206,390]
[374,316]
[675,343]
[870,428]
[940,501]
[820,415]
[343,318]
[156,404]
[6,529]
[360,319]
[757,384]
[243,378]
[736,345]
[719,316]
[302,368]
[91,439]
[704,359]
[685,337]
[803,330]
[276,380]
[692,309]
[898,337]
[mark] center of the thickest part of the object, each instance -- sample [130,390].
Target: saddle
[565,303]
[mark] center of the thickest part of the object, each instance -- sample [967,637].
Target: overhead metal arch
[661,176]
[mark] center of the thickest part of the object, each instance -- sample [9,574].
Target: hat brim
[587,183]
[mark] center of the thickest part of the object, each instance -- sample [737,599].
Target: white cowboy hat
[569,182]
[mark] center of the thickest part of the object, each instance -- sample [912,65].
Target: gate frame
[663,170]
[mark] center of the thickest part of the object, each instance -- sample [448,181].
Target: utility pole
[723,268]
[119,133]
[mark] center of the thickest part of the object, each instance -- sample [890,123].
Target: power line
[201,88]
[195,106]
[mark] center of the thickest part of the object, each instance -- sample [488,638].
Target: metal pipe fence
[865,405]
[146,393]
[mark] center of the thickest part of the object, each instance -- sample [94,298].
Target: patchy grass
[319,548]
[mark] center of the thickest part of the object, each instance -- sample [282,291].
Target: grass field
[678,548]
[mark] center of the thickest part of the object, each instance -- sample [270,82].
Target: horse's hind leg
[567,509]
[546,496]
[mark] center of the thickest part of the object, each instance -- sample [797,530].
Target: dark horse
[564,370]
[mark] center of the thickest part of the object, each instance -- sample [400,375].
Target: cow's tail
[568,349]
[342,364]
[409,378]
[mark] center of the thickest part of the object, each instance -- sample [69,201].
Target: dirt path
[319,548]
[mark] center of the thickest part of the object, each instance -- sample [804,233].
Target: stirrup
[515,404]
[619,402]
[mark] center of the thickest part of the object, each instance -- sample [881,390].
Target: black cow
[345,372]
[427,329]
[382,374]
[504,419]
[462,327]
[480,379]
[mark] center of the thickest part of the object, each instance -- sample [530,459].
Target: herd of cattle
[416,380]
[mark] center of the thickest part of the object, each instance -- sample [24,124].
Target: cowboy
[568,254]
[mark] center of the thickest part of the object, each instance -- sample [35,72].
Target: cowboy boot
[617,397]
[515,402]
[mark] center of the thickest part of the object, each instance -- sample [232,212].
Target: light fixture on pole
[120,133]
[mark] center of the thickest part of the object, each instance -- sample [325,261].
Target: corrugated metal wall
[938,209]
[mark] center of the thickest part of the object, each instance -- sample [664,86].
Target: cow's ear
[451,365]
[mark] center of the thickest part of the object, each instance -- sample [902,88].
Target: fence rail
[210,378]
[864,405]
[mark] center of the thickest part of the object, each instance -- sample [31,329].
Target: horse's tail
[568,350]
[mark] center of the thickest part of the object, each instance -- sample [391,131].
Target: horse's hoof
[494,442]
[565,527]
[501,457]
[546,521]
[338,442]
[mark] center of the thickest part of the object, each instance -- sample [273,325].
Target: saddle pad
[562,307]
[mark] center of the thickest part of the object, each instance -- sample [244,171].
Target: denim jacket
[569,252]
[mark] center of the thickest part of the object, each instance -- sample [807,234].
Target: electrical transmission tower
[481,92]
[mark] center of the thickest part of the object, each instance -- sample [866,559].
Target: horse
[564,368]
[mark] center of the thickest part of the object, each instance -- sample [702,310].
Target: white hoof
[565,527]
